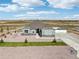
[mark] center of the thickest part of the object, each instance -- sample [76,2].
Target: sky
[39,9]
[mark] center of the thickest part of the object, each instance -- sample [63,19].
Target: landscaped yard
[14,44]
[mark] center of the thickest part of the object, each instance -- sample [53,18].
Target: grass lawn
[15,44]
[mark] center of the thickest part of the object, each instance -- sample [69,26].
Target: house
[37,27]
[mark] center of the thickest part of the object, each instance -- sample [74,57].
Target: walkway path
[72,40]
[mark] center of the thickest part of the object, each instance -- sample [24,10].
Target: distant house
[37,27]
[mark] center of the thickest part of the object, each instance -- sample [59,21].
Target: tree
[1,41]
[7,28]
[54,40]
[26,40]
[15,31]
[1,29]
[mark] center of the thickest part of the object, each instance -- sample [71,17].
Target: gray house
[37,27]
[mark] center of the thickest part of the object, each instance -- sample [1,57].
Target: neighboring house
[37,27]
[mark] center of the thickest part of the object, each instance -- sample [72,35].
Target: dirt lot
[40,52]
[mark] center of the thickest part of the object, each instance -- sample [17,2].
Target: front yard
[15,44]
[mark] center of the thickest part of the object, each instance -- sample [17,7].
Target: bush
[54,41]
[1,41]
[15,31]
[8,32]
[5,36]
[26,40]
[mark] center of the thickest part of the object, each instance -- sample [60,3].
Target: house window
[26,31]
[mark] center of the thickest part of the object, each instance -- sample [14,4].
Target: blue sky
[39,9]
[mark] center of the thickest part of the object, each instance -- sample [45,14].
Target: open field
[19,23]
[43,52]
[14,24]
[49,22]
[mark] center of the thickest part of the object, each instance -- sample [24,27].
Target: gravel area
[17,37]
[37,52]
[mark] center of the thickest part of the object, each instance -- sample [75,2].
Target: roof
[41,25]
[36,25]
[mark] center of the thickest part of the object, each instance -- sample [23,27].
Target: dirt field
[43,52]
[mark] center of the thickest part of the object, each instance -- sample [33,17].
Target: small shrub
[15,31]
[5,36]
[54,41]
[8,32]
[1,41]
[26,40]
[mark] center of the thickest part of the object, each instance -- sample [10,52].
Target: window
[26,31]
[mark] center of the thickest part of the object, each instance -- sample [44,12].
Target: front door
[39,31]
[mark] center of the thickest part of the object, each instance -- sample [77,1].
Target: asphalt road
[40,52]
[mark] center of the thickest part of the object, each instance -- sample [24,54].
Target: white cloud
[20,5]
[9,8]
[41,12]
[75,16]
[14,8]
[36,14]
[29,2]
[20,15]
[65,4]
